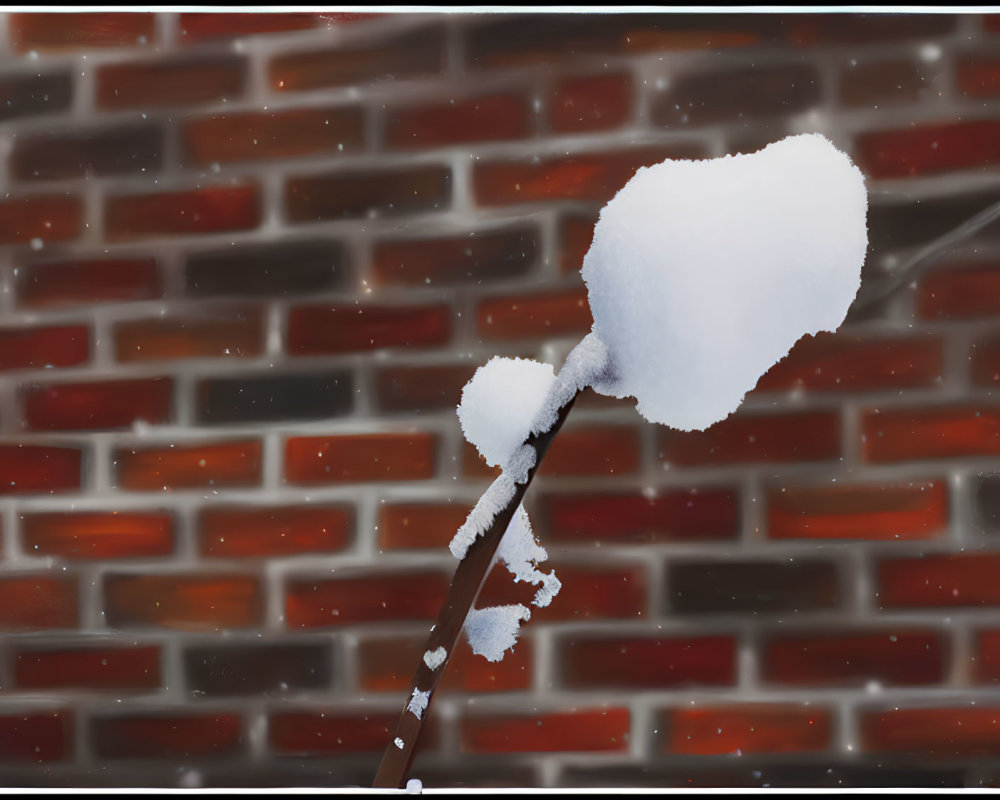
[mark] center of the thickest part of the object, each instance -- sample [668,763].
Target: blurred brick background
[247,261]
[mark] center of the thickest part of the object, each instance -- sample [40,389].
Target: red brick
[986,661]
[111,666]
[100,405]
[614,591]
[183,602]
[933,732]
[197,27]
[32,469]
[602,730]
[379,192]
[25,348]
[910,434]
[648,663]
[61,31]
[39,602]
[795,436]
[326,330]
[991,22]
[875,513]
[591,103]
[407,55]
[210,210]
[883,83]
[189,466]
[748,729]
[586,176]
[964,292]
[255,136]
[419,525]
[668,516]
[329,733]
[985,361]
[470,258]
[36,736]
[487,118]
[382,597]
[184,82]
[531,316]
[98,281]
[363,457]
[272,531]
[604,450]
[576,233]
[388,665]
[98,534]
[212,333]
[962,580]
[904,658]
[162,736]
[978,75]
[51,218]
[430,388]
[928,149]
[831,363]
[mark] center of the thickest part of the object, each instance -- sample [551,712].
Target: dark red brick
[419,525]
[911,434]
[407,55]
[468,259]
[163,736]
[50,218]
[331,733]
[908,512]
[189,466]
[590,103]
[941,732]
[38,602]
[109,666]
[26,348]
[667,516]
[576,232]
[33,469]
[198,27]
[220,332]
[253,136]
[928,149]
[793,436]
[984,357]
[896,658]
[39,736]
[102,405]
[272,531]
[978,75]
[585,176]
[361,457]
[986,660]
[649,663]
[324,329]
[834,363]
[961,580]
[213,209]
[183,602]
[374,598]
[959,292]
[534,315]
[97,534]
[430,388]
[97,281]
[604,730]
[131,149]
[365,194]
[173,82]
[488,118]
[595,450]
[747,729]
[48,31]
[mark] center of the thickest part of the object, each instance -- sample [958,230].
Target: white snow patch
[521,553]
[399,743]
[493,631]
[435,658]
[702,274]
[418,703]
[414,786]
[499,403]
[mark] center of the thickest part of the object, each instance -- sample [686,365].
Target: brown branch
[469,577]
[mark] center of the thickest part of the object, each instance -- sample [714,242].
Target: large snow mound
[703,274]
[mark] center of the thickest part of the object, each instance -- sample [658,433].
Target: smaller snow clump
[492,631]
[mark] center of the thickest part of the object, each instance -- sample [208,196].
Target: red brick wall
[247,262]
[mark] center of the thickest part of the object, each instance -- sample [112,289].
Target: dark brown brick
[76,154]
[181,735]
[225,670]
[488,118]
[274,398]
[809,30]
[31,95]
[884,83]
[39,737]
[430,388]
[173,82]
[360,194]
[61,31]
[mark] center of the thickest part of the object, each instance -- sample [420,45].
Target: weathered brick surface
[248,262]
